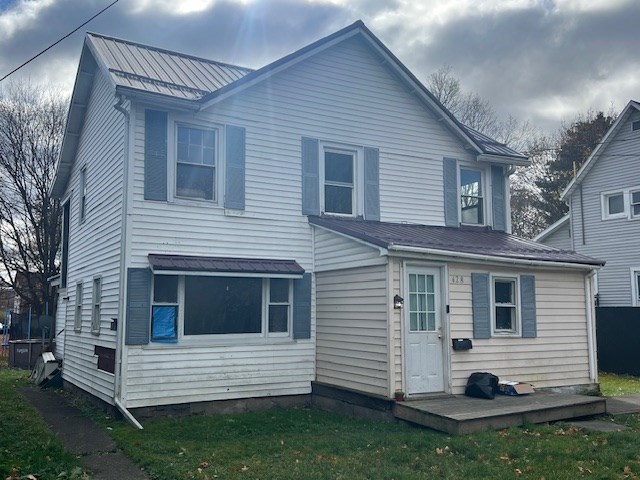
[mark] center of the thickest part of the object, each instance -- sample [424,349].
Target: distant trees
[32,122]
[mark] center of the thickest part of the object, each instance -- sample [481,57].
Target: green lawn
[612,385]
[27,446]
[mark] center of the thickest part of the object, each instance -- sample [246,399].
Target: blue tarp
[163,324]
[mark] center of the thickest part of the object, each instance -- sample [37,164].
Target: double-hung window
[339,182]
[505,305]
[83,193]
[471,197]
[164,311]
[95,306]
[196,163]
[634,197]
[635,286]
[77,319]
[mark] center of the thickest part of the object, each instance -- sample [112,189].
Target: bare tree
[32,121]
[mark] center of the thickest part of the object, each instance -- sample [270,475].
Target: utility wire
[54,44]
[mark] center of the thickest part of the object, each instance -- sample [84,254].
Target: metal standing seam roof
[156,70]
[187,263]
[491,146]
[469,240]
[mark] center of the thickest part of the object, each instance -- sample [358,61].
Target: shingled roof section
[466,240]
[187,263]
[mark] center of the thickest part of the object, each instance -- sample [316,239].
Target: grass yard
[27,446]
[309,444]
[612,385]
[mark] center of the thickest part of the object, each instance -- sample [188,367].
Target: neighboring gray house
[604,212]
[232,234]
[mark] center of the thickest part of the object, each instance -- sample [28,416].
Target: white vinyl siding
[352,347]
[560,238]
[557,357]
[615,240]
[94,245]
[334,252]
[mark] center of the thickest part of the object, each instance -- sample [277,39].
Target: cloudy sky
[541,60]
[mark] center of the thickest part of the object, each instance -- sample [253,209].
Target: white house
[604,211]
[233,234]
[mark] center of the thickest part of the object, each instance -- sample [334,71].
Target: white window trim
[486,199]
[630,197]
[635,294]
[77,314]
[518,326]
[358,175]
[172,154]
[604,197]
[264,337]
[96,303]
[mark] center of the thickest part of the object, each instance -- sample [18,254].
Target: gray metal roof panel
[147,68]
[224,264]
[469,240]
[491,146]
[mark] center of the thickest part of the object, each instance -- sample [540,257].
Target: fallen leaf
[439,451]
[244,468]
[204,464]
[626,469]
[518,472]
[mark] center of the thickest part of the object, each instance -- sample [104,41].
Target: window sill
[237,342]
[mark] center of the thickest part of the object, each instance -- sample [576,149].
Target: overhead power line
[57,42]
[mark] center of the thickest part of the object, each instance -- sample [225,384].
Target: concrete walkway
[80,436]
[624,404]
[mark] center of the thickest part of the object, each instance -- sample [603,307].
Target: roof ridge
[167,51]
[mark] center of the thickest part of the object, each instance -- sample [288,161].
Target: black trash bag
[482,385]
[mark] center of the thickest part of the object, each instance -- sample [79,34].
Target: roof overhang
[551,229]
[600,148]
[504,160]
[224,266]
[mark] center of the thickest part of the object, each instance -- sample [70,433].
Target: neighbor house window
[164,312]
[83,193]
[77,319]
[196,163]
[471,197]
[613,205]
[635,203]
[635,286]
[339,182]
[95,309]
[505,309]
[217,305]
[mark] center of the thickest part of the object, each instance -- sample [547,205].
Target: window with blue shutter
[450,182]
[498,200]
[481,304]
[155,155]
[371,184]
[302,307]
[234,196]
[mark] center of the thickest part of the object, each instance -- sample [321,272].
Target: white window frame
[83,194]
[357,194]
[95,305]
[635,292]
[264,336]
[516,332]
[77,316]
[218,164]
[484,197]
[631,204]
[604,200]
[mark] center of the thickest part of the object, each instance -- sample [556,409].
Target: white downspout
[121,310]
[591,326]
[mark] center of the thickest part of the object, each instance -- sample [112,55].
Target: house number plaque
[456,280]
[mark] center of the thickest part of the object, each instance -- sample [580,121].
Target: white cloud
[21,15]
[172,7]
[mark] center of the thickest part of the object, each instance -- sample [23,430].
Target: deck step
[461,415]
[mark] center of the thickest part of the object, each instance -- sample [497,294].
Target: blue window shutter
[310,177]
[499,206]
[155,155]
[371,184]
[481,305]
[528,306]
[450,180]
[302,307]
[138,306]
[234,169]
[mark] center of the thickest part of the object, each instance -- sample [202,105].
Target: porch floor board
[459,414]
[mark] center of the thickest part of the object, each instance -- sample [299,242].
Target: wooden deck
[460,415]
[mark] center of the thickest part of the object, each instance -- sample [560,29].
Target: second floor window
[83,193]
[339,182]
[471,197]
[196,163]
[635,203]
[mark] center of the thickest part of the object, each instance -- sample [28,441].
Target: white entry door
[423,332]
